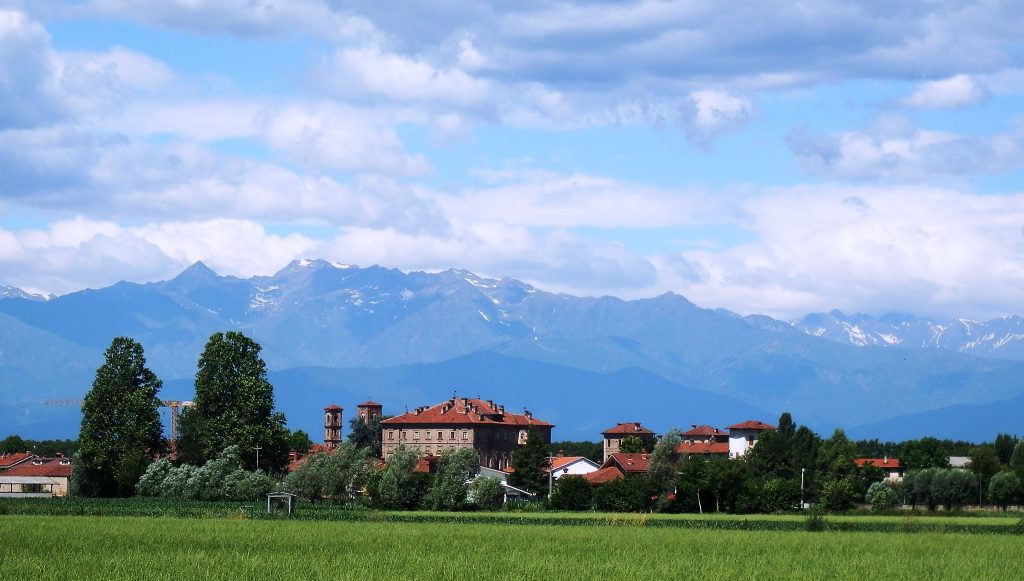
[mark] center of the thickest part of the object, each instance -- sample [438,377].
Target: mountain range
[335,333]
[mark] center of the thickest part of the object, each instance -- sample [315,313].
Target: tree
[571,493]
[299,441]
[14,443]
[664,466]
[398,486]
[629,494]
[1017,459]
[366,434]
[1004,445]
[455,468]
[339,474]
[984,465]
[486,493]
[530,464]
[839,494]
[836,455]
[881,497]
[632,445]
[121,431]
[234,403]
[925,453]
[1004,488]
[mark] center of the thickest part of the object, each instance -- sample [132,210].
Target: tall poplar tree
[121,430]
[234,404]
[530,465]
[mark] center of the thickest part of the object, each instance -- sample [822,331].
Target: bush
[629,494]
[571,493]
[839,494]
[815,520]
[486,493]
[1004,488]
[768,495]
[881,497]
[152,480]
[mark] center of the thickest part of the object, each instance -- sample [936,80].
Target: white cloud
[714,112]
[954,92]
[895,149]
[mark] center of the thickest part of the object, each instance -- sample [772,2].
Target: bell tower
[369,410]
[332,426]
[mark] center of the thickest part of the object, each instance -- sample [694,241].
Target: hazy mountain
[340,319]
[1001,338]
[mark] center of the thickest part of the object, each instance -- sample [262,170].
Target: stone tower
[332,426]
[368,410]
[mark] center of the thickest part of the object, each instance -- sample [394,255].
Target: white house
[571,466]
[744,435]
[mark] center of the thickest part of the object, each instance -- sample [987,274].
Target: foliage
[836,455]
[664,466]
[839,494]
[632,445]
[925,453]
[235,403]
[398,486]
[222,478]
[152,480]
[46,448]
[881,497]
[299,441]
[633,493]
[486,493]
[530,463]
[455,468]
[1004,488]
[768,495]
[814,521]
[365,434]
[121,430]
[591,450]
[1017,459]
[571,493]
[339,475]
[1004,445]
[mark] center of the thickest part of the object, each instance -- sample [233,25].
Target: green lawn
[47,547]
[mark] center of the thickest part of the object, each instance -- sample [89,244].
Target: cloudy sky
[767,156]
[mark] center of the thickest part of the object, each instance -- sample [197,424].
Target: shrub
[815,520]
[572,493]
[1004,488]
[152,479]
[486,493]
[881,497]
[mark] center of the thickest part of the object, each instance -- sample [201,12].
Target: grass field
[46,547]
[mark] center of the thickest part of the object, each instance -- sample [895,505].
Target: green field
[46,547]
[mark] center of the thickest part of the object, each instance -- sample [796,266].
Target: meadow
[42,547]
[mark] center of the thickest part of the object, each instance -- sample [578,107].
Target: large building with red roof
[890,466]
[619,465]
[464,422]
[613,437]
[704,441]
[37,477]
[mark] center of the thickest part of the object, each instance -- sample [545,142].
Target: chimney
[693,426]
[885,460]
[528,414]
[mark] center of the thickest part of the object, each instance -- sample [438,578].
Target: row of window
[427,434]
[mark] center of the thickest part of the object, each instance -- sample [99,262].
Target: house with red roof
[619,465]
[613,437]
[13,459]
[891,466]
[704,441]
[744,435]
[571,466]
[37,477]
[460,422]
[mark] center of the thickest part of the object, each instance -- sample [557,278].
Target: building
[960,462]
[744,435]
[332,426]
[37,477]
[13,459]
[571,466]
[619,465]
[704,441]
[463,422]
[613,437]
[891,466]
[369,411]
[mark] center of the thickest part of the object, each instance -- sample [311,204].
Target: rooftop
[751,425]
[878,462]
[52,467]
[703,431]
[464,411]
[627,428]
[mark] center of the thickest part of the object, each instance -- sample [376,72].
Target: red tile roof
[704,448]
[466,411]
[638,462]
[369,404]
[603,475]
[703,431]
[52,467]
[333,408]
[890,463]
[8,460]
[627,428]
[751,425]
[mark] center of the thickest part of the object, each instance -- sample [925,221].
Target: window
[465,435]
[416,435]
[391,434]
[440,435]
[427,433]
[453,435]
[405,435]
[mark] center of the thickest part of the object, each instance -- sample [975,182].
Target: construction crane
[173,404]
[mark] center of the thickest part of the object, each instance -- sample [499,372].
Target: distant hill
[339,318]
[975,423]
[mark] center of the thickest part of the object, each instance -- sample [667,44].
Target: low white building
[571,466]
[744,435]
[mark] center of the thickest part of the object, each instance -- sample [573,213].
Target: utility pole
[802,470]
[258,448]
[551,470]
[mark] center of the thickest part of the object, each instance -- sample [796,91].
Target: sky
[770,156]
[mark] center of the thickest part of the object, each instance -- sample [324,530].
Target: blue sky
[775,157]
